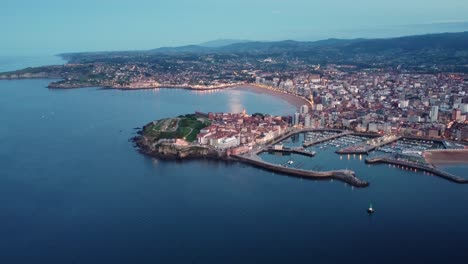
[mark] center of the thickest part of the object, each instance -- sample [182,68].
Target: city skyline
[49,27]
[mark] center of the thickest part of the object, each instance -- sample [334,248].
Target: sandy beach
[294,100]
[446,157]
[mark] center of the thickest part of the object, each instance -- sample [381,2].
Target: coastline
[290,98]
[295,100]
[143,87]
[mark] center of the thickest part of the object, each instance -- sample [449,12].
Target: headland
[230,137]
[239,137]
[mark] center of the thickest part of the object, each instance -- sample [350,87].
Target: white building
[403,103]
[228,142]
[296,119]
[319,107]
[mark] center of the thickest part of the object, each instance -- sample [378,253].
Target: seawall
[341,175]
[434,171]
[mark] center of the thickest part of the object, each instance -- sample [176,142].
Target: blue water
[74,190]
[11,63]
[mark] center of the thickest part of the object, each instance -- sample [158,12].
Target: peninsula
[230,137]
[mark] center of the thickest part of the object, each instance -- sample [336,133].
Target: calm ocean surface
[74,190]
[11,63]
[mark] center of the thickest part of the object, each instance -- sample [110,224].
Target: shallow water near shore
[74,190]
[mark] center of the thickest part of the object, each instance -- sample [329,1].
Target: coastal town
[360,104]
[423,105]
[389,100]
[244,137]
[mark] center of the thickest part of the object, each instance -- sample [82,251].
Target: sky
[30,27]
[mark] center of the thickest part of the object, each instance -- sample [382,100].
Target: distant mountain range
[442,41]
[432,49]
[222,42]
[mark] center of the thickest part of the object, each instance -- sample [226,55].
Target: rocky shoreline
[169,151]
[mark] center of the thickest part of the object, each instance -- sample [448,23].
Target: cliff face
[171,151]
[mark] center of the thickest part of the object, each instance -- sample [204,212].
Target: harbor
[400,151]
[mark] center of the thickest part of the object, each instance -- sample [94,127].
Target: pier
[296,131]
[347,176]
[318,141]
[299,151]
[365,148]
[421,167]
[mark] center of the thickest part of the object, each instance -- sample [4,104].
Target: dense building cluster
[429,105]
[372,99]
[240,132]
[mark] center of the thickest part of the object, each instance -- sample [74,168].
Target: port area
[252,158]
[404,152]
[369,145]
[347,176]
[416,166]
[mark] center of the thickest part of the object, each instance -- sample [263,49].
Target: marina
[319,137]
[398,151]
[406,146]
[369,145]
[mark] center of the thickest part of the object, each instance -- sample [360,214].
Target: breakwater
[347,176]
[421,167]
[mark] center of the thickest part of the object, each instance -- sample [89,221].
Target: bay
[74,190]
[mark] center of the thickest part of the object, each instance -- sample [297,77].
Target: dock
[365,148]
[318,141]
[347,176]
[299,151]
[421,167]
